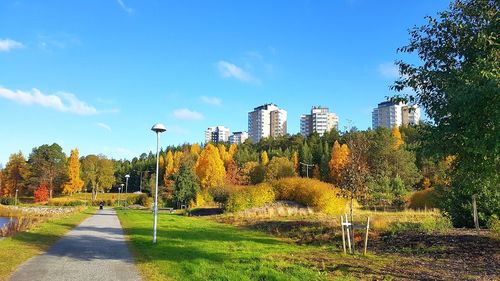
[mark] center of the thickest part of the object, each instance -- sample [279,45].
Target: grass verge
[17,249]
[198,249]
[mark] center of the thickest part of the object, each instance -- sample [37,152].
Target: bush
[321,196]
[494,226]
[257,174]
[66,202]
[42,193]
[143,200]
[7,201]
[423,199]
[278,168]
[250,197]
[221,194]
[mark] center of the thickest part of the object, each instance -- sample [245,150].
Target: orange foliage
[340,158]
[42,193]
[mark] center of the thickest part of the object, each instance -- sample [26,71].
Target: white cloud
[229,70]
[104,126]
[61,101]
[186,114]
[125,7]
[388,70]
[211,100]
[9,44]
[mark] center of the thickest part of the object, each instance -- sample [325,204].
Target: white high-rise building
[238,137]
[217,134]
[389,115]
[266,121]
[320,120]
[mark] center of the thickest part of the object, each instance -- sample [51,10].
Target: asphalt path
[95,250]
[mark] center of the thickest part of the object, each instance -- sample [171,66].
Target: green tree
[48,164]
[186,185]
[457,83]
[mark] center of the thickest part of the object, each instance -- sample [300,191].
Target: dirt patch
[459,254]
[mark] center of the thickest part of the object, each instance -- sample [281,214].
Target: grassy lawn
[19,248]
[199,249]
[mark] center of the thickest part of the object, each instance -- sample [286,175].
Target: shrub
[250,197]
[221,194]
[494,226]
[7,201]
[257,174]
[423,199]
[143,200]
[278,168]
[66,202]
[42,193]
[321,196]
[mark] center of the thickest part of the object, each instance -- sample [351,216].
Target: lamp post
[126,189]
[158,129]
[119,195]
[16,196]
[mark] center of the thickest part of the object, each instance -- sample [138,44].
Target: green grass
[19,248]
[199,249]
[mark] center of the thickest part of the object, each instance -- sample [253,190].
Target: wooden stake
[343,235]
[348,235]
[366,236]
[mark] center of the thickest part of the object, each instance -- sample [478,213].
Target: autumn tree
[195,149]
[457,83]
[14,175]
[264,159]
[223,153]
[48,164]
[75,183]
[296,163]
[233,149]
[396,134]
[338,161]
[169,168]
[177,161]
[210,168]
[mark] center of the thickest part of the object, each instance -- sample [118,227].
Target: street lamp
[126,189]
[119,195]
[158,129]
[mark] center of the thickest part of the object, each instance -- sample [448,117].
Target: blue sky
[97,74]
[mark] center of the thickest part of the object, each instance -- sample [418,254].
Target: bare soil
[459,254]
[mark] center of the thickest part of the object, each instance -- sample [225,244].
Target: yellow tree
[210,168]
[169,168]
[195,149]
[340,158]
[75,183]
[296,161]
[177,161]
[399,139]
[264,159]
[231,152]
[222,152]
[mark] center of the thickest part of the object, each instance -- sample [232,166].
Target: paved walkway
[95,250]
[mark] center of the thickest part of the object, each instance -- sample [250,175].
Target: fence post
[348,235]
[474,210]
[366,236]
[343,235]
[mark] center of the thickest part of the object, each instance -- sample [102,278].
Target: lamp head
[127,176]
[158,128]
